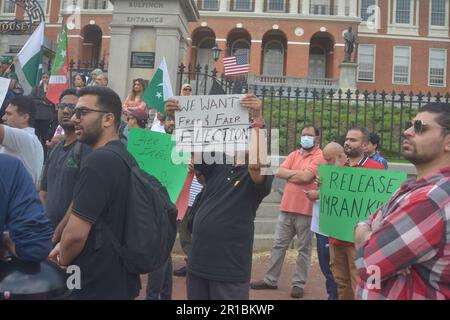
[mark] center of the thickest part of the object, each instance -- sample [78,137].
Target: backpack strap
[109,233]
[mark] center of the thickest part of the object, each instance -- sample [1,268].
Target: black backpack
[150,224]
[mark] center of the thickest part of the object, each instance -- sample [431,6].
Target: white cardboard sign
[211,123]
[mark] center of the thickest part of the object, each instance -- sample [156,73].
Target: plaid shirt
[414,235]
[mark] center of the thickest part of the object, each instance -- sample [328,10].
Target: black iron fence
[288,109]
[85,68]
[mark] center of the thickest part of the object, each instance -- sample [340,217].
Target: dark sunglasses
[62,106]
[418,125]
[84,111]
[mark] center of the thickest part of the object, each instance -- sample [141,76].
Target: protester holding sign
[342,253]
[334,155]
[299,170]
[402,249]
[219,263]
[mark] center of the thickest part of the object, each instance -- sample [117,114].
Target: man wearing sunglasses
[402,249]
[62,168]
[99,201]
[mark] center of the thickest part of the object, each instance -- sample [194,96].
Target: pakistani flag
[59,78]
[28,61]
[159,89]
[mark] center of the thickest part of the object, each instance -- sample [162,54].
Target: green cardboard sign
[155,154]
[349,195]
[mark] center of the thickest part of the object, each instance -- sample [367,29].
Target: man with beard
[299,170]
[62,168]
[342,253]
[99,201]
[406,241]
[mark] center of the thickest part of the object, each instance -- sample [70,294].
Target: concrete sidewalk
[314,290]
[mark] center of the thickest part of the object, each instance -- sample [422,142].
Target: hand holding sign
[171,106]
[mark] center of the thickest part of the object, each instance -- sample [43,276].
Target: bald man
[333,154]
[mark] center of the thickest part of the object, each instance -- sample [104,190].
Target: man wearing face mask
[299,170]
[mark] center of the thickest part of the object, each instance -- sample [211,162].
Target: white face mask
[307,142]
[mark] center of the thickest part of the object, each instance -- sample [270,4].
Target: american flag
[236,65]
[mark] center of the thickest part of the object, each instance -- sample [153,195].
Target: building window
[210,5]
[401,65]
[438,11]
[68,3]
[366,9]
[320,7]
[273,59]
[366,60]
[403,11]
[95,4]
[276,5]
[437,65]
[241,47]
[8,7]
[245,5]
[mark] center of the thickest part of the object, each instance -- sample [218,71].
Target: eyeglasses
[187,89]
[130,118]
[420,126]
[82,111]
[62,106]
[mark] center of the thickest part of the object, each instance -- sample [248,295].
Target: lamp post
[216,52]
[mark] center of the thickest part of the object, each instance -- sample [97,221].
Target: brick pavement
[314,290]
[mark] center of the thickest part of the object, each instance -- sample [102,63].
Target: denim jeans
[323,253]
[159,284]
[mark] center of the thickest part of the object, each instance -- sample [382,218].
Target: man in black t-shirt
[220,261]
[99,201]
[62,168]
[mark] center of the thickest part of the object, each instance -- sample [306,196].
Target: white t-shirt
[315,218]
[24,145]
[157,125]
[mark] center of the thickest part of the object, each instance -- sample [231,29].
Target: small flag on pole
[236,64]
[159,89]
[59,78]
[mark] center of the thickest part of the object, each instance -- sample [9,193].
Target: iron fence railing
[85,68]
[334,111]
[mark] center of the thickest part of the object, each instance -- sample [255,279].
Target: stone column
[223,6]
[293,9]
[347,76]
[305,7]
[120,51]
[259,6]
[353,12]
[341,7]
[4,44]
[166,40]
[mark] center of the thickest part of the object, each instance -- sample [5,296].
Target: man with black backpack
[99,211]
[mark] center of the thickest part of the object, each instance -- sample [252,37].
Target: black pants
[204,289]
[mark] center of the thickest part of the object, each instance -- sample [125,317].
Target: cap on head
[140,115]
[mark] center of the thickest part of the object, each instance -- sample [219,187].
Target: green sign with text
[156,155]
[349,195]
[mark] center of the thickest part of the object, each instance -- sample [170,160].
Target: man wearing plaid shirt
[403,249]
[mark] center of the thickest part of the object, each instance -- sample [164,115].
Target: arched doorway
[239,43]
[274,45]
[203,40]
[92,44]
[320,63]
